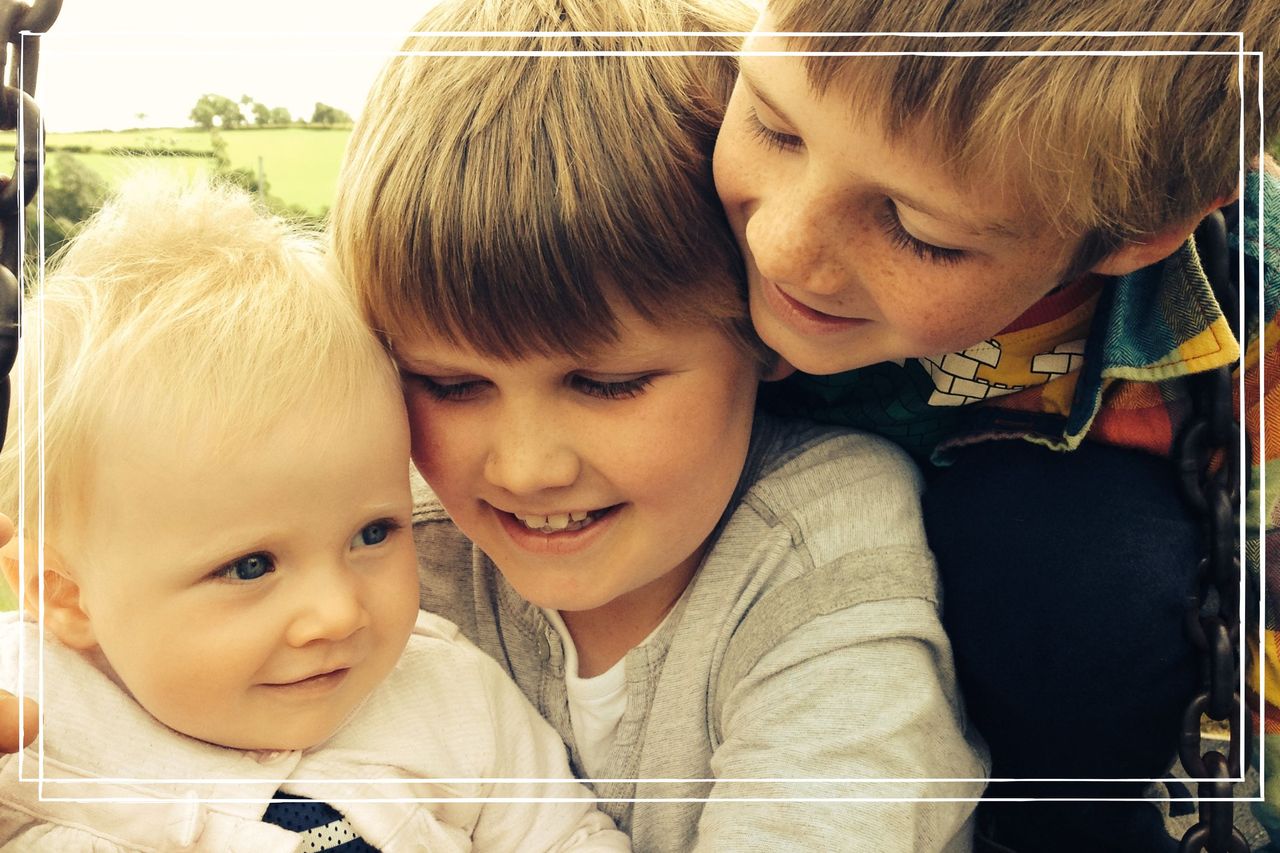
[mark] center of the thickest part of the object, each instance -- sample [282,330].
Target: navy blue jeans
[1064,580]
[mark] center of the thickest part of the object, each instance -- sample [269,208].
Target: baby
[229,584]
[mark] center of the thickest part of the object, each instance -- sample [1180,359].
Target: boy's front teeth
[556,523]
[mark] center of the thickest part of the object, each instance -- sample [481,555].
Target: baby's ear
[62,611]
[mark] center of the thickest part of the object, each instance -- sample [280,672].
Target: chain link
[18,111]
[1213,607]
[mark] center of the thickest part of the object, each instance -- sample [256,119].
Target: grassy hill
[300,163]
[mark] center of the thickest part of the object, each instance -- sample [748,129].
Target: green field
[300,164]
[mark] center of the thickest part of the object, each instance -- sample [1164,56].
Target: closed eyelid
[446,388]
[904,239]
[754,89]
[770,137]
[611,390]
[920,231]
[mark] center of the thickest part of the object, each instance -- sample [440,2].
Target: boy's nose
[330,609]
[527,456]
[793,240]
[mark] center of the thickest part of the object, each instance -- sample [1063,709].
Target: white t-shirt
[596,704]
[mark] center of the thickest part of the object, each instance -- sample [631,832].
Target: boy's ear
[1134,256]
[63,614]
[1155,247]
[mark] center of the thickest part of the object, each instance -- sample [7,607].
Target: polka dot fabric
[321,826]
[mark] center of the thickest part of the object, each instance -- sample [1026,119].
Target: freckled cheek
[942,309]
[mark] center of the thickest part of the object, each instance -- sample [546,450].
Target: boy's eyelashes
[259,564]
[768,136]
[466,389]
[623,389]
[891,223]
[448,390]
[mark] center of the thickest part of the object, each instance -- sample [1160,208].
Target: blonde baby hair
[183,307]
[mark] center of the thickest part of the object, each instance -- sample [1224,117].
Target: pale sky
[105,61]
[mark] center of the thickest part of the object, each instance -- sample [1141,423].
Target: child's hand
[9,710]
[9,707]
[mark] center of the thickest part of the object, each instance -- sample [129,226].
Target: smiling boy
[958,251]
[595,498]
[707,608]
[836,285]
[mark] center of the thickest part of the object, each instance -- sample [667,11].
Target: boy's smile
[253,598]
[557,522]
[862,249]
[800,316]
[591,483]
[556,532]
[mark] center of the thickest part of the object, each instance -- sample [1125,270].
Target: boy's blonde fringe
[508,201]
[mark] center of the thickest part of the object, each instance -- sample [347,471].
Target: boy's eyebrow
[416,365]
[422,362]
[602,353]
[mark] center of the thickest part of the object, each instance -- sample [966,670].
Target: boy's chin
[821,362]
[795,353]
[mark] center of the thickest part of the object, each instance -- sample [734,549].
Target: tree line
[213,111]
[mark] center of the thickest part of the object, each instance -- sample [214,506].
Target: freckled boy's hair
[502,201]
[1109,147]
[180,311]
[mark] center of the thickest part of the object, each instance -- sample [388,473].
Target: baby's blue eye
[248,568]
[375,533]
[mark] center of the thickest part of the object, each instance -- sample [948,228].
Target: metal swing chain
[1213,609]
[18,111]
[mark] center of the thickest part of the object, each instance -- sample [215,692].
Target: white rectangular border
[1241,53]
